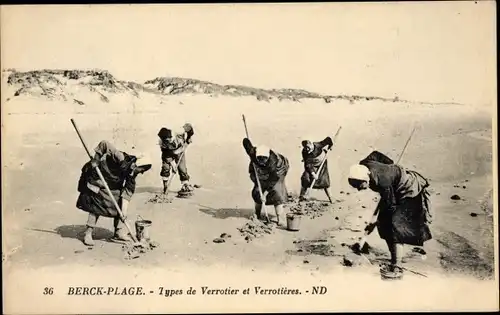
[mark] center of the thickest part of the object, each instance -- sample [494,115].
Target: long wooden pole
[257,175]
[406,144]
[122,217]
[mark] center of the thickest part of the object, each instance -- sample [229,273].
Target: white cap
[143,159]
[359,172]
[262,150]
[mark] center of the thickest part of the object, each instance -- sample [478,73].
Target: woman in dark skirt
[119,169]
[403,213]
[313,154]
[272,169]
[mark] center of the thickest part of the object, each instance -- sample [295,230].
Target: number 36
[48,291]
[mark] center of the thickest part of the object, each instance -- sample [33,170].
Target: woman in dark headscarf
[119,169]
[313,154]
[403,213]
[272,169]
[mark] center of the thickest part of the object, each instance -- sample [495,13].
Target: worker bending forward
[119,170]
[272,169]
[173,144]
[403,213]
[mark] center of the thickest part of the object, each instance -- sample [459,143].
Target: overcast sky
[421,51]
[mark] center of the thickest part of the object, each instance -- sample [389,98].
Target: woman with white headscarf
[119,169]
[403,213]
[272,169]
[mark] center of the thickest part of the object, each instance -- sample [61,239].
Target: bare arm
[327,142]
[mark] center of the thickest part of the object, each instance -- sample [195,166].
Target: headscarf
[165,133]
[262,150]
[137,162]
[143,159]
[359,172]
[307,140]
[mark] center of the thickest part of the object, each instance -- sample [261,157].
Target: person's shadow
[148,189]
[224,213]
[77,231]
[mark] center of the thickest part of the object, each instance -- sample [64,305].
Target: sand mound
[160,198]
[255,229]
[133,251]
[67,85]
[175,86]
[312,208]
[318,247]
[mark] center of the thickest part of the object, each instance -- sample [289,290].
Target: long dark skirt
[99,204]
[408,224]
[277,195]
[323,179]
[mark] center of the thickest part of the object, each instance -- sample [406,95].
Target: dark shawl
[384,177]
[404,207]
[312,161]
[275,169]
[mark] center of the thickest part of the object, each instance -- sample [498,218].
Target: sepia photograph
[277,157]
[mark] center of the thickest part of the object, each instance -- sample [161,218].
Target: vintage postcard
[249,158]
